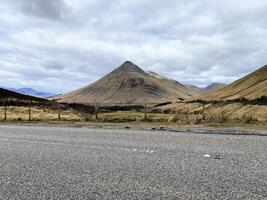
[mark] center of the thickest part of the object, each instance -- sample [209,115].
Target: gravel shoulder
[260,130]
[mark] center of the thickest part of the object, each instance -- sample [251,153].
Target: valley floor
[234,114]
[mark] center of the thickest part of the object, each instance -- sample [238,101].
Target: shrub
[248,119]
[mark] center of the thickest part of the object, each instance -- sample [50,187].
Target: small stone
[217,157]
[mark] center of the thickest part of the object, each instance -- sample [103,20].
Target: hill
[252,86]
[130,84]
[7,94]
[32,92]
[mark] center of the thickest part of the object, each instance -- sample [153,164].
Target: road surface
[80,163]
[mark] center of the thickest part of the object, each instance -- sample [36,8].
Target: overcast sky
[60,45]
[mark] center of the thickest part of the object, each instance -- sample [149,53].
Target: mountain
[194,89]
[7,94]
[130,84]
[32,92]
[191,88]
[214,86]
[252,86]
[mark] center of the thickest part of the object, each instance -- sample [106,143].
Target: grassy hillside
[220,112]
[251,86]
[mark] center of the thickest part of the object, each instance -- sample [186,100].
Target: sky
[61,45]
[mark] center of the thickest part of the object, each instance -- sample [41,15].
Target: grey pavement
[44,162]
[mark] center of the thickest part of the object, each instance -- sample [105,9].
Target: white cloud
[45,42]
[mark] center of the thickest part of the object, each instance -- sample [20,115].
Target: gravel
[39,162]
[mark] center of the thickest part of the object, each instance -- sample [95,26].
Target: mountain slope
[214,86]
[7,94]
[251,86]
[130,84]
[194,89]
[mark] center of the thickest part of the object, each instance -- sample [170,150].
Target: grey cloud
[51,9]
[45,8]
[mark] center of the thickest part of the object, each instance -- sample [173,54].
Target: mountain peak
[128,66]
[128,62]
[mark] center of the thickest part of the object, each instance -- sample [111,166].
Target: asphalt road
[81,163]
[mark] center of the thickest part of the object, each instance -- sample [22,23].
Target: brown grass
[37,114]
[130,116]
[180,113]
[231,113]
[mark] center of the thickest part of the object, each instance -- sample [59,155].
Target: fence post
[145,112]
[177,116]
[5,110]
[96,112]
[203,113]
[59,111]
[30,112]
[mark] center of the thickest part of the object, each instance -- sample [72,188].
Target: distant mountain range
[130,84]
[31,92]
